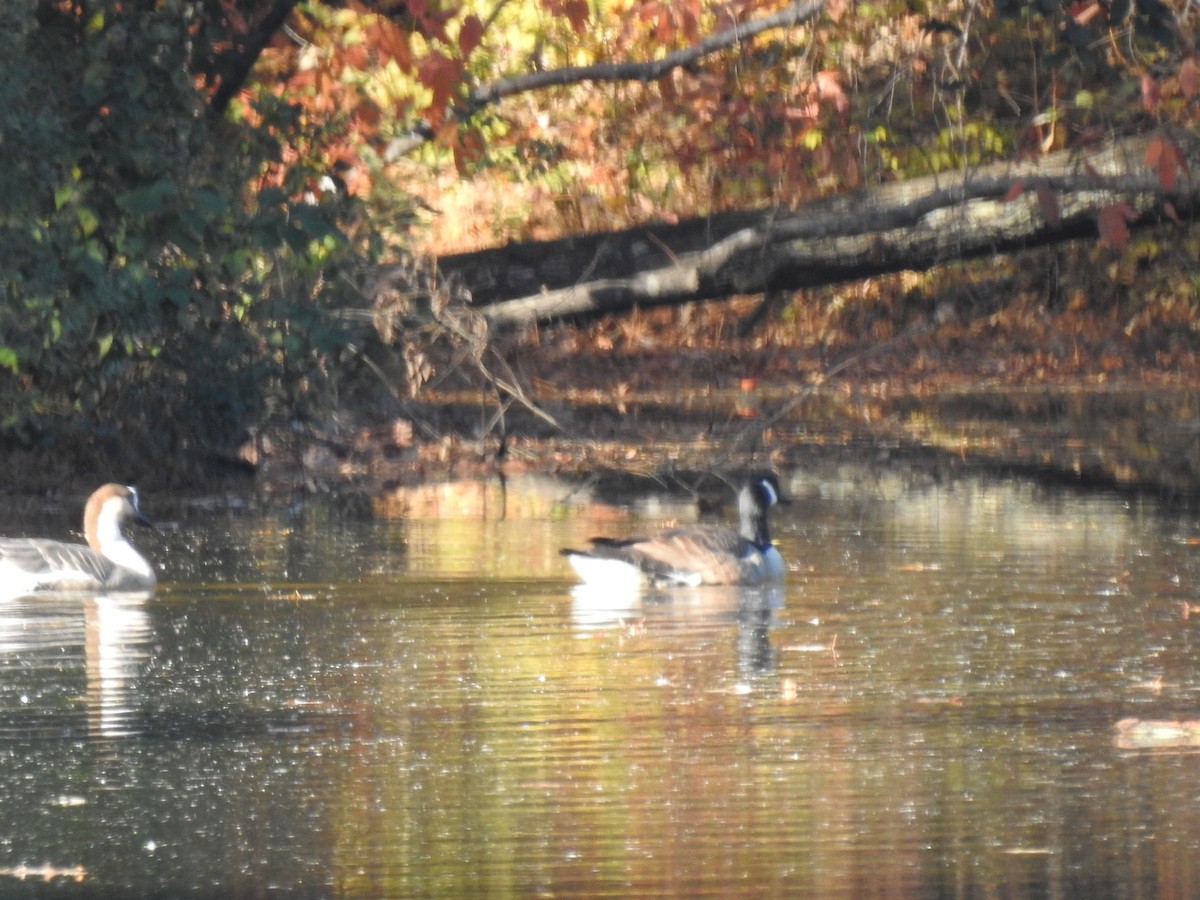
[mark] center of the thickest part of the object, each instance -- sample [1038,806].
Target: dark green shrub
[157,300]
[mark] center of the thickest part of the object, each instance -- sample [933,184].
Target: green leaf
[148,200]
[63,195]
[209,204]
[88,221]
[9,360]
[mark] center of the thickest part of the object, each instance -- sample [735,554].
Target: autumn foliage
[229,169]
[858,95]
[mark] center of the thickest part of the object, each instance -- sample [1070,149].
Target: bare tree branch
[647,71]
[234,71]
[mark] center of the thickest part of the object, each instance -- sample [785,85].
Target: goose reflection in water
[109,635]
[118,638]
[753,608]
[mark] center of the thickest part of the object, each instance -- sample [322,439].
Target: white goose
[693,555]
[108,562]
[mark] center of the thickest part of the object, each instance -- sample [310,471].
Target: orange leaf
[356,56]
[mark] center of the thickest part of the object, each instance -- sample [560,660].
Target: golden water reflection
[429,706]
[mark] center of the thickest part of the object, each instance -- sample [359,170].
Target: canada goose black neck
[758,495]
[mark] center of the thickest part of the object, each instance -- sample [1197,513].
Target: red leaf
[390,42]
[1168,170]
[575,12]
[1113,230]
[366,117]
[1047,203]
[469,149]
[1017,189]
[1113,224]
[666,87]
[441,75]
[1188,79]
[470,34]
[1167,159]
[1154,150]
[429,20]
[1151,93]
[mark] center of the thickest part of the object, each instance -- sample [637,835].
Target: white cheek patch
[772,496]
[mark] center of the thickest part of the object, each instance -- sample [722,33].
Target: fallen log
[910,225]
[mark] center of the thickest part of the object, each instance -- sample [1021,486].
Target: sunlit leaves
[127,202]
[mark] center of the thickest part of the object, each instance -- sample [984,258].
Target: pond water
[420,703]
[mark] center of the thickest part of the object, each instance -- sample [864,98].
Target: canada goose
[693,555]
[108,562]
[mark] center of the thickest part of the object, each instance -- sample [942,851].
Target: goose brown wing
[77,563]
[709,554]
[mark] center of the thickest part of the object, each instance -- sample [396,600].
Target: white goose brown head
[108,562]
